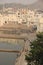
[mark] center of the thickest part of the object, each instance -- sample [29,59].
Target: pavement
[21,60]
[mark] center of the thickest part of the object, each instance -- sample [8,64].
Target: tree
[35,55]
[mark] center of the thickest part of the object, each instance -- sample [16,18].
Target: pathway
[21,60]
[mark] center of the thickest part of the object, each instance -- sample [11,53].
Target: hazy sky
[19,1]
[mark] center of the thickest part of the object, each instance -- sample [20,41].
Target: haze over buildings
[19,1]
[31,4]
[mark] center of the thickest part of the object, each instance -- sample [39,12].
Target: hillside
[36,5]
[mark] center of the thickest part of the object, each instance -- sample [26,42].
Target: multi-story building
[21,16]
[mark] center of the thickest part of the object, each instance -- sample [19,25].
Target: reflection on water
[9,58]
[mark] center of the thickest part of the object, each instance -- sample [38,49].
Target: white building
[22,16]
[40,25]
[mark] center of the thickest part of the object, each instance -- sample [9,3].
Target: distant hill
[12,5]
[36,5]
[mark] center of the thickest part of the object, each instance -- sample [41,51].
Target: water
[9,58]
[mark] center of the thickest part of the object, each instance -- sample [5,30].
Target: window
[5,21]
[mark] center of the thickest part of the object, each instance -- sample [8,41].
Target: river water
[9,58]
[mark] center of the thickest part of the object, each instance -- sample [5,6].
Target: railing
[12,37]
[9,51]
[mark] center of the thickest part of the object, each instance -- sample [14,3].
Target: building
[22,16]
